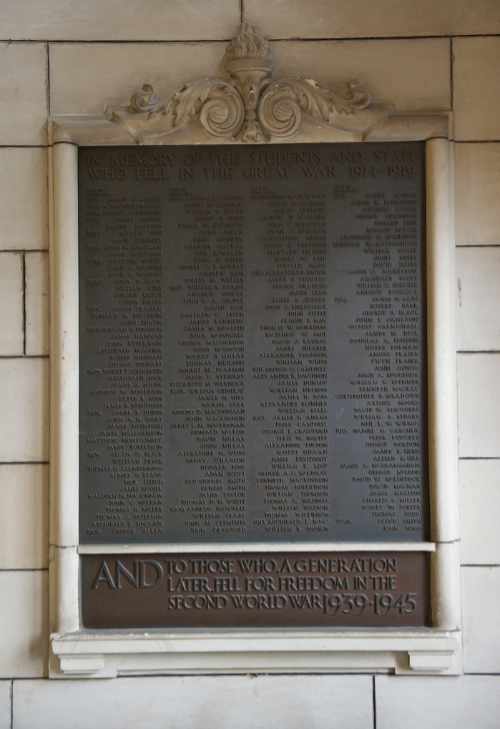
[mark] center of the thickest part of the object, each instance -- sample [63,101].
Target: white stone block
[24,399]
[24,502]
[419,80]
[480,511]
[477,192]
[478,273]
[119,19]
[23,624]
[37,303]
[481,595]
[11,301]
[23,93]
[478,411]
[476,110]
[5,697]
[220,702]
[438,702]
[359,18]
[23,198]
[85,78]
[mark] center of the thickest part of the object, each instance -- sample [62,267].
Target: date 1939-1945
[380,603]
[347,603]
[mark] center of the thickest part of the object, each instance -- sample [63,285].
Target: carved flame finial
[249,104]
[248,61]
[249,44]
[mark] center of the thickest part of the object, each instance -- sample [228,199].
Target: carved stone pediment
[249,105]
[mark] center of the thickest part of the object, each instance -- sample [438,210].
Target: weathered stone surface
[476,110]
[23,199]
[120,20]
[437,702]
[11,299]
[359,18]
[419,80]
[219,702]
[481,586]
[477,190]
[24,502]
[5,707]
[23,93]
[478,272]
[480,511]
[24,396]
[23,624]
[478,413]
[37,303]
[85,78]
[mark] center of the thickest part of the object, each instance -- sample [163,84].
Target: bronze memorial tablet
[253,370]
[247,589]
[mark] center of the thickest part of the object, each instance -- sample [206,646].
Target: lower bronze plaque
[282,589]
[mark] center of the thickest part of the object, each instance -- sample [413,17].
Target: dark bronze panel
[261,589]
[252,362]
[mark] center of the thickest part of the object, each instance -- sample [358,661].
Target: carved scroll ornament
[249,105]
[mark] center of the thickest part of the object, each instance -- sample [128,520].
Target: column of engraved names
[122,417]
[205,387]
[384,393]
[407,362]
[287,366]
[393,317]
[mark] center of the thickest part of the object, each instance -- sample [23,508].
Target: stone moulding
[249,105]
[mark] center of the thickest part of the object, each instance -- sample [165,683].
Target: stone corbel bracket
[249,105]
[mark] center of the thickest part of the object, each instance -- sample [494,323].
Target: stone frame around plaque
[346,114]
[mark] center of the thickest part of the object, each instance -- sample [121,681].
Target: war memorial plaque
[252,369]
[247,589]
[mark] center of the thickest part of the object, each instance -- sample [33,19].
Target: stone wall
[65,56]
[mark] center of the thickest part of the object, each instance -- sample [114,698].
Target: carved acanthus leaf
[215,102]
[283,103]
[248,104]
